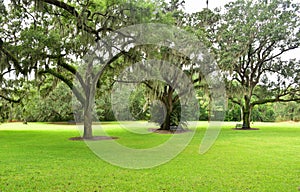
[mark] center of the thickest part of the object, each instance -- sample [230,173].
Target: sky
[197,5]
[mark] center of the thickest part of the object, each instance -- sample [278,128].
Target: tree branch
[64,6]
[66,81]
[10,100]
[70,9]
[273,101]
[235,101]
[281,52]
[17,64]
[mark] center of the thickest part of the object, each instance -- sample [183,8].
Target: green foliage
[103,107]
[138,104]
[264,113]
[50,103]
[54,106]
[233,113]
[287,111]
[204,105]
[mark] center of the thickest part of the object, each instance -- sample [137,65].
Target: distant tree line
[52,103]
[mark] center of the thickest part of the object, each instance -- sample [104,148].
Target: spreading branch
[235,101]
[72,10]
[273,100]
[10,100]
[11,57]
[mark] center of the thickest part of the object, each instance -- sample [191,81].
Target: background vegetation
[53,103]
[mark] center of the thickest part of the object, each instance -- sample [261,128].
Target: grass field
[39,157]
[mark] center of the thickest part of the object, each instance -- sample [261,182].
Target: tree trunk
[246,113]
[246,119]
[88,120]
[168,102]
[167,123]
[88,115]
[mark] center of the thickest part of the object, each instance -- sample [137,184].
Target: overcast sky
[198,5]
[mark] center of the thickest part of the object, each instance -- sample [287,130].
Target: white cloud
[197,5]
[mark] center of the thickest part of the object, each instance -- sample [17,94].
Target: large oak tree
[49,36]
[251,41]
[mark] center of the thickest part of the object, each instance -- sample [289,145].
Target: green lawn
[39,157]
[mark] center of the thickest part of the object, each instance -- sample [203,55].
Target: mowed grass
[39,157]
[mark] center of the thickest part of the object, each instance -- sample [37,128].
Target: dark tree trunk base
[94,138]
[162,131]
[245,129]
